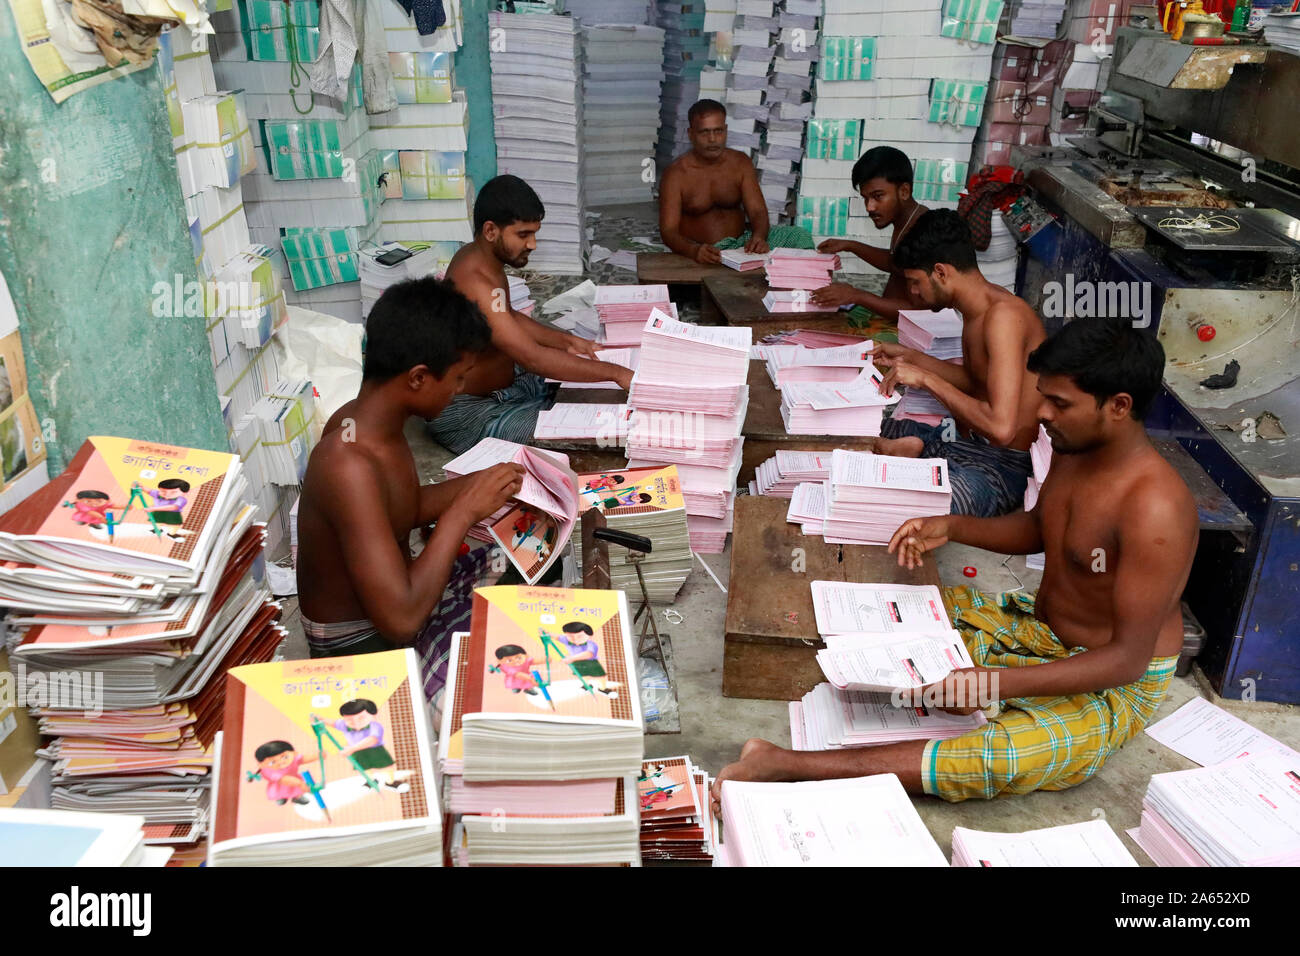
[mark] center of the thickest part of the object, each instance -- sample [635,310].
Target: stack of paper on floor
[1210,735]
[690,396]
[376,277]
[676,823]
[830,719]
[30,837]
[624,309]
[859,821]
[521,298]
[606,423]
[1092,843]
[870,496]
[805,269]
[623,68]
[648,502]
[327,765]
[543,695]
[743,261]
[129,579]
[533,528]
[1239,813]
[780,474]
[537,113]
[856,407]
[843,363]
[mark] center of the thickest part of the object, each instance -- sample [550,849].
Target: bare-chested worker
[507,386]
[1082,668]
[710,199]
[883,177]
[991,395]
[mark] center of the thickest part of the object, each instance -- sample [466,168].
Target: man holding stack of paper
[507,387]
[710,198]
[990,394]
[1079,669]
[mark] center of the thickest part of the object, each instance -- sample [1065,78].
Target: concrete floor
[715,727]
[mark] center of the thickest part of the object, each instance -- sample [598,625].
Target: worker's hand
[486,491]
[756,244]
[959,693]
[835,295]
[577,345]
[884,354]
[917,536]
[706,254]
[832,246]
[624,379]
[902,372]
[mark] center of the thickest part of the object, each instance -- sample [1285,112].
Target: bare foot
[758,761]
[909,447]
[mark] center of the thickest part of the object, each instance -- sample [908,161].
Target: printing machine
[1189,179]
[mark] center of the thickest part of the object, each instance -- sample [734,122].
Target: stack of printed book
[675,820]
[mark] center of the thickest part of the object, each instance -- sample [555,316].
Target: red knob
[968,571]
[1205,332]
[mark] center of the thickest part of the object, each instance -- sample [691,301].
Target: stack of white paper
[808,507]
[937,334]
[276,437]
[863,821]
[997,263]
[30,837]
[537,109]
[831,719]
[521,298]
[1282,30]
[1036,18]
[743,261]
[893,660]
[1210,735]
[1092,843]
[1239,813]
[849,408]
[593,12]
[842,363]
[686,53]
[805,269]
[626,357]
[855,608]
[780,474]
[623,69]
[375,277]
[624,309]
[872,495]
[605,423]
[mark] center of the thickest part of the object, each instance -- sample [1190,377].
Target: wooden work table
[736,298]
[771,640]
[669,268]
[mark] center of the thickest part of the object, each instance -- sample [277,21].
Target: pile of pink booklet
[937,334]
[870,496]
[689,399]
[800,268]
[623,310]
[843,363]
[784,471]
[829,408]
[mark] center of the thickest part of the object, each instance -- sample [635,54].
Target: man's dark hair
[1104,357]
[358,706]
[885,162]
[421,322]
[704,108]
[506,200]
[939,235]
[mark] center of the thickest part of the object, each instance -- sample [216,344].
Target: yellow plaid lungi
[1035,743]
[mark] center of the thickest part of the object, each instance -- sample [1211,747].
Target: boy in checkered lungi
[1075,672]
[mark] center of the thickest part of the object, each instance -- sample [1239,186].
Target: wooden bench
[771,642]
[669,268]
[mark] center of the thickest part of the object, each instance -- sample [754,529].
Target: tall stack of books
[871,495]
[786,470]
[132,589]
[624,309]
[623,69]
[686,53]
[676,823]
[541,742]
[938,335]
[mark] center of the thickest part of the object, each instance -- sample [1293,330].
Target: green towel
[784,237]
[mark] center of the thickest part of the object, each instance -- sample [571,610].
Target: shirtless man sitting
[1119,529]
[507,387]
[708,194]
[990,395]
[883,177]
[358,586]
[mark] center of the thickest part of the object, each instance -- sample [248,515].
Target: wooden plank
[669,268]
[737,299]
[770,632]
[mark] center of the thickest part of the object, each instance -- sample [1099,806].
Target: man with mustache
[883,177]
[507,387]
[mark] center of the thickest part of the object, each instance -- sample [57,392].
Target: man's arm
[881,259]
[555,338]
[755,206]
[1016,533]
[670,221]
[398,598]
[841,293]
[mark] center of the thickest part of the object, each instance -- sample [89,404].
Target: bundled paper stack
[521,298]
[871,495]
[376,278]
[593,12]
[606,423]
[743,261]
[30,837]
[797,301]
[623,69]
[805,269]
[750,69]
[843,363]
[790,88]
[131,591]
[850,408]
[278,433]
[808,338]
[691,394]
[624,309]
[537,109]
[1282,29]
[1243,812]
[676,823]
[543,696]
[937,334]
[1092,843]
[647,502]
[862,821]
[248,299]
[686,53]
[997,263]
[327,766]
[1038,92]
[533,527]
[1036,18]
[831,719]
[780,474]
[808,507]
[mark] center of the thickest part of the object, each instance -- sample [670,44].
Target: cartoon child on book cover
[365,742]
[655,785]
[532,534]
[622,499]
[279,764]
[90,508]
[169,500]
[582,654]
[516,666]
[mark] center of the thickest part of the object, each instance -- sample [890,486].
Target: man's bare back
[1082,513]
[481,278]
[325,588]
[711,195]
[1009,309]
